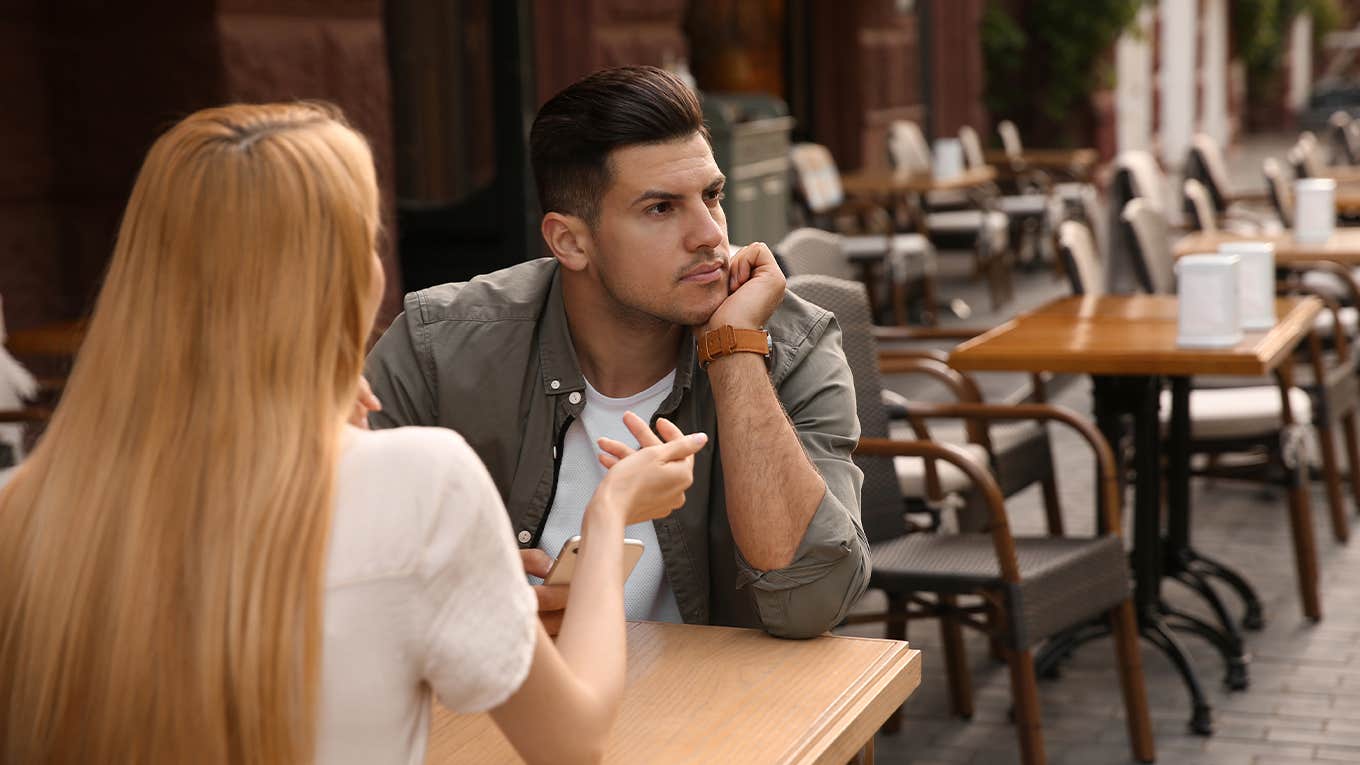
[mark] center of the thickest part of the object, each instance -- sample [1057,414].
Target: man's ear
[569,239]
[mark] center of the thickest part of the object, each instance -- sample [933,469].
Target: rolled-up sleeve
[830,569]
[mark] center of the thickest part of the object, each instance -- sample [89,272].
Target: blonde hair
[162,551]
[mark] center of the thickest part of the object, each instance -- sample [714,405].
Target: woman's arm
[568,702]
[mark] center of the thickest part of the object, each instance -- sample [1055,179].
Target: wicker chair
[1020,590]
[1020,454]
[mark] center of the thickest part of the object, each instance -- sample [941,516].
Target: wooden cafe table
[1078,163]
[1342,247]
[887,185]
[1128,345]
[717,694]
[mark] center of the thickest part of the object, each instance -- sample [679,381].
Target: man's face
[661,239]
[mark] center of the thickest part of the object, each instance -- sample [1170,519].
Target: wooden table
[1128,345]
[893,182]
[1079,163]
[1343,247]
[1127,335]
[717,694]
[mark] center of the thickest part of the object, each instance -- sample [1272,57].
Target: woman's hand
[648,482]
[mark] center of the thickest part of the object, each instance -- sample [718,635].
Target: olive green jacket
[492,358]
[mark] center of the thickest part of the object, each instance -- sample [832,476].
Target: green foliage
[1003,49]
[1043,63]
[1260,30]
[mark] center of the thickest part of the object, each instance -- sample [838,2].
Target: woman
[201,562]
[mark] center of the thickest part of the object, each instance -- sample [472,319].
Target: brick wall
[89,86]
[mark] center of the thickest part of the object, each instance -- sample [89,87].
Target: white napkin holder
[1208,308]
[1314,209]
[947,158]
[1256,293]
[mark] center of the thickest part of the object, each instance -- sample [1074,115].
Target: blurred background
[446,90]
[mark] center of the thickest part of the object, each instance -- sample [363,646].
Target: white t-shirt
[647,594]
[424,590]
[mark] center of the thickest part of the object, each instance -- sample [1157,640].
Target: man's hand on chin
[755,287]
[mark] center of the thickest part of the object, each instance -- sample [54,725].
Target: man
[535,363]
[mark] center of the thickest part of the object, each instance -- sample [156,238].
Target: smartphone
[565,565]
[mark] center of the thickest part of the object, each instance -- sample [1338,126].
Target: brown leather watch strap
[727,340]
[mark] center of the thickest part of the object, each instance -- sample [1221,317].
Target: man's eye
[660,208]
[716,195]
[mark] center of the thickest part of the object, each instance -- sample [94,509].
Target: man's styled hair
[576,129]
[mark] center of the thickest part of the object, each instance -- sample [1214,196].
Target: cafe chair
[954,220]
[1338,130]
[1033,215]
[1233,415]
[1021,454]
[1204,164]
[1017,590]
[910,270]
[1071,186]
[866,231]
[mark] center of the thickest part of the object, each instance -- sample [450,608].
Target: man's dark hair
[576,129]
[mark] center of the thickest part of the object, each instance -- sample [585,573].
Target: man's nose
[706,230]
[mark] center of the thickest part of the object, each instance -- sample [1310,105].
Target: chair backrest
[1154,262]
[818,179]
[1010,139]
[1077,248]
[907,147]
[1351,136]
[972,147]
[1144,175]
[1338,128]
[1277,186]
[881,504]
[16,387]
[1213,171]
[1137,175]
[1202,215]
[1306,158]
[814,251]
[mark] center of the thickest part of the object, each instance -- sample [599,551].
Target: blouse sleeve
[482,614]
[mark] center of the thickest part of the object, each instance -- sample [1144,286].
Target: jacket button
[575,397]
[555,384]
[525,536]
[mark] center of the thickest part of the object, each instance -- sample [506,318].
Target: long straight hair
[162,550]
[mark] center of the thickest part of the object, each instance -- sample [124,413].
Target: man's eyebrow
[671,196]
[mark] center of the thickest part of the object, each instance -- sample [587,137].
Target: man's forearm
[772,488]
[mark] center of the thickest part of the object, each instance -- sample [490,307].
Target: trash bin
[750,135]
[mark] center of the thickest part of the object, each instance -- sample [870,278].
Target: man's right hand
[552,599]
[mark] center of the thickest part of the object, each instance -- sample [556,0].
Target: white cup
[1256,293]
[1314,209]
[947,155]
[1208,309]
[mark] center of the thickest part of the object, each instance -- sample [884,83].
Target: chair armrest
[1002,541]
[888,334]
[27,414]
[1108,496]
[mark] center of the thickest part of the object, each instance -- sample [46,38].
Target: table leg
[1179,556]
[1115,397]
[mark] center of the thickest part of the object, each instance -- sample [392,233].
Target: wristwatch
[727,340]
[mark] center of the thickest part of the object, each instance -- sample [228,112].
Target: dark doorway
[462,92]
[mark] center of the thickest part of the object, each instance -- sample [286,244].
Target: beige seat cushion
[1023,204]
[1239,412]
[911,257]
[964,221]
[1325,324]
[911,472]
